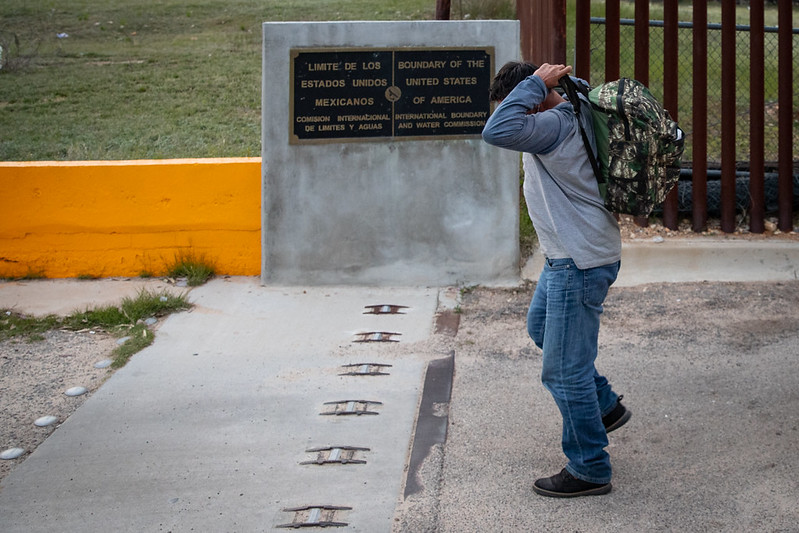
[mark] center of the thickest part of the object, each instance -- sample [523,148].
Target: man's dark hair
[509,77]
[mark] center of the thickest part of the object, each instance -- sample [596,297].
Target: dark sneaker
[616,418]
[565,485]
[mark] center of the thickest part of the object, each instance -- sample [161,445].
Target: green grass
[528,239]
[30,275]
[124,320]
[482,9]
[144,78]
[165,79]
[145,305]
[154,79]
[139,338]
[15,325]
[197,269]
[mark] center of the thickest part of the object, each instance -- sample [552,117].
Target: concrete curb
[691,260]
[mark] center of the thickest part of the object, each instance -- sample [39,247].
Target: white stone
[105,363]
[76,391]
[11,453]
[45,421]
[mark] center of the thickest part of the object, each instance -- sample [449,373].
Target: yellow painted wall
[125,218]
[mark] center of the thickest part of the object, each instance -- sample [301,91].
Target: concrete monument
[374,171]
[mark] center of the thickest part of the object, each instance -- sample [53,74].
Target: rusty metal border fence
[731,88]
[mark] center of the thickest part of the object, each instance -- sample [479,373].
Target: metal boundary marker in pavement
[351,407]
[385,309]
[377,336]
[324,516]
[340,455]
[365,369]
[315,516]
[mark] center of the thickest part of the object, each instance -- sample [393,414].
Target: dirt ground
[630,231]
[34,377]
[708,371]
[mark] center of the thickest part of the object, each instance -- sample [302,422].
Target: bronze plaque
[364,94]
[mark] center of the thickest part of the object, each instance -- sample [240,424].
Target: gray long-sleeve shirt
[559,184]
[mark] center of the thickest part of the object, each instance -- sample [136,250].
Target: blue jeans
[563,321]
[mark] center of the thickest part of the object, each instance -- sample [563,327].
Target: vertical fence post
[582,34]
[642,59]
[757,98]
[443,9]
[785,119]
[729,109]
[642,41]
[543,27]
[670,92]
[612,39]
[728,163]
[699,117]
[524,12]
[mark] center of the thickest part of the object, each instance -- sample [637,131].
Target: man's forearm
[511,127]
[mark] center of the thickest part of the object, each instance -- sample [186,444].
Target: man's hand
[552,73]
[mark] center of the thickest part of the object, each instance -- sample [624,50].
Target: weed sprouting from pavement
[125,320]
[197,269]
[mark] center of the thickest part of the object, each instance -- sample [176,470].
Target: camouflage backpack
[639,146]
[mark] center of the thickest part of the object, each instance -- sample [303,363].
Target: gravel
[34,379]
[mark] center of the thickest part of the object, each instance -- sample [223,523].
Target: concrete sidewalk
[207,429]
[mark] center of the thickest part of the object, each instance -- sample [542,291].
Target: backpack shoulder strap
[572,90]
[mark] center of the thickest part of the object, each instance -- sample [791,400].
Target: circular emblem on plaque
[393,93]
